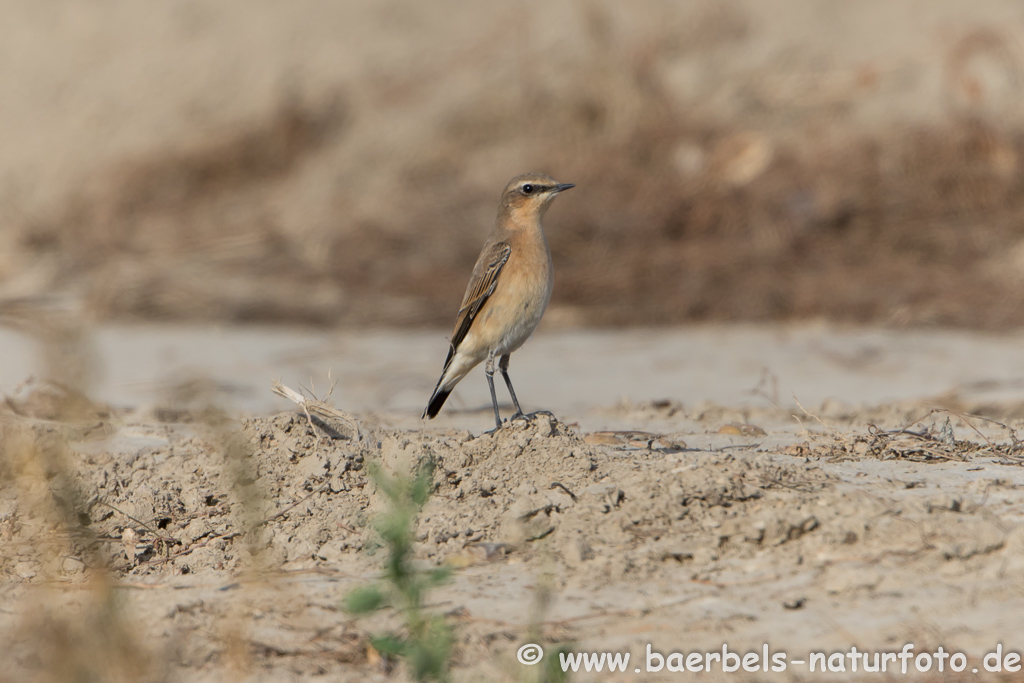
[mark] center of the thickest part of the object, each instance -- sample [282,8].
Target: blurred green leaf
[390,645]
[364,599]
[436,577]
[552,671]
[429,653]
[423,484]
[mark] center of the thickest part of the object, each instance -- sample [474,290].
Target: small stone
[72,565]
[737,429]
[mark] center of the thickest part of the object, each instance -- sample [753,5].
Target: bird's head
[528,196]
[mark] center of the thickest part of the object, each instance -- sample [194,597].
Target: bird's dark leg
[489,371]
[503,366]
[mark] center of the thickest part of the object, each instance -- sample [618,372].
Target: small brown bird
[509,290]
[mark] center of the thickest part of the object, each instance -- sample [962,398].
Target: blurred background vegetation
[338,163]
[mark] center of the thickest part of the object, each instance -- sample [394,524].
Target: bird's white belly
[524,323]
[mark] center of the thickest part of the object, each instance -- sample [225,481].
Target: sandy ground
[171,541]
[574,372]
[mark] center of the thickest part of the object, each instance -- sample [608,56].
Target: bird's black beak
[562,187]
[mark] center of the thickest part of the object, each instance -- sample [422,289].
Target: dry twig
[315,408]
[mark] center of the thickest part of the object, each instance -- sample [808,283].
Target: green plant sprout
[426,641]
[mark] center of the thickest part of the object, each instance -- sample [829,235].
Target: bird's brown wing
[481,286]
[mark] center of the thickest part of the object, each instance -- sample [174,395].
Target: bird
[508,292]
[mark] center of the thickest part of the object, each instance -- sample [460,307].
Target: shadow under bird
[508,292]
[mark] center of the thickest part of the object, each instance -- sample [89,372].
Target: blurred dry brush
[46,537]
[83,515]
[779,210]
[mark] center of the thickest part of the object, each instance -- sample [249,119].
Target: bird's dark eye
[527,188]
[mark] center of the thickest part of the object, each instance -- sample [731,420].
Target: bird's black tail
[436,401]
[440,395]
